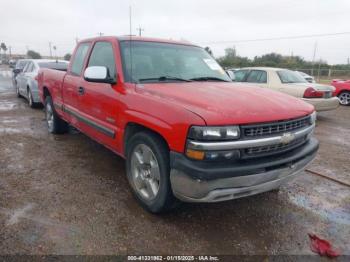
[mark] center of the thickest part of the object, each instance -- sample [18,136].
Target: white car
[307,77]
[25,80]
[289,82]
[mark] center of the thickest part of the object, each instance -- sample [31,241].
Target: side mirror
[17,70]
[98,74]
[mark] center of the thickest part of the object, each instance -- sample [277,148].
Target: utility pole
[55,48]
[313,58]
[100,34]
[140,29]
[50,49]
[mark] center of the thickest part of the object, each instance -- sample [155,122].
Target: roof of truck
[137,38]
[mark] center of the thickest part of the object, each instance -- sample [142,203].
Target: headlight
[214,133]
[313,117]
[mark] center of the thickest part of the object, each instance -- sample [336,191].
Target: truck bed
[53,78]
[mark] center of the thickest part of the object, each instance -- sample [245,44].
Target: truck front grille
[272,149]
[260,130]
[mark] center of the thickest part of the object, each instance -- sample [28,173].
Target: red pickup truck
[186,131]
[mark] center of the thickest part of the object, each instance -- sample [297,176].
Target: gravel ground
[67,194]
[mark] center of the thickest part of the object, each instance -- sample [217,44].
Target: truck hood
[220,103]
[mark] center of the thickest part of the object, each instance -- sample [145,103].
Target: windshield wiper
[165,78]
[208,78]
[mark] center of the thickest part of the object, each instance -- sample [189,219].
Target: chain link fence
[326,75]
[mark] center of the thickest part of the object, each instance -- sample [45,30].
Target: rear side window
[102,55]
[257,76]
[240,75]
[79,57]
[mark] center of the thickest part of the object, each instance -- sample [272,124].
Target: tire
[344,98]
[54,123]
[17,91]
[147,153]
[30,99]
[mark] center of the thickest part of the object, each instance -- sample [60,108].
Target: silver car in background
[26,82]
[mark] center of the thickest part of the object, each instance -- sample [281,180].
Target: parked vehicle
[26,81]
[307,77]
[342,90]
[20,64]
[185,130]
[230,72]
[291,83]
[12,63]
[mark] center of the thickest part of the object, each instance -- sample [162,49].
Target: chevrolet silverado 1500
[186,131]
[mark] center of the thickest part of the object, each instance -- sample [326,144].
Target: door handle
[81,90]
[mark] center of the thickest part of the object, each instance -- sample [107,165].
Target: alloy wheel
[145,172]
[344,98]
[49,117]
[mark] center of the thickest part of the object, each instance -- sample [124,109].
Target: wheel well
[133,128]
[344,91]
[46,92]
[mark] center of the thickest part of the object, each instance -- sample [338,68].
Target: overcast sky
[33,23]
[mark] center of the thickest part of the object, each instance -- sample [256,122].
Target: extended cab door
[71,88]
[100,102]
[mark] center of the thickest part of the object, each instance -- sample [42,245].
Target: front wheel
[17,91]
[148,172]
[55,124]
[31,103]
[344,98]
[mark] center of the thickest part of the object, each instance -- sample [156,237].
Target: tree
[34,55]
[3,47]
[67,57]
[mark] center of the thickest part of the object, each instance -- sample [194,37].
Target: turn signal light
[194,154]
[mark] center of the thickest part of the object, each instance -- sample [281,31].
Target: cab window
[257,76]
[79,58]
[102,55]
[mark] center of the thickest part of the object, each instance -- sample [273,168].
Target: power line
[278,38]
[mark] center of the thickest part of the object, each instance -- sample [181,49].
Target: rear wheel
[55,124]
[344,98]
[148,172]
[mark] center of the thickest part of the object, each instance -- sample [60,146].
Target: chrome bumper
[188,189]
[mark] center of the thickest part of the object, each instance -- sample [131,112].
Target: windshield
[289,77]
[164,62]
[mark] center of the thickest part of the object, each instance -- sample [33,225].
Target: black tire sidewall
[164,198]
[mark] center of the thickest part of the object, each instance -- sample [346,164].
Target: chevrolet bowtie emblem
[287,138]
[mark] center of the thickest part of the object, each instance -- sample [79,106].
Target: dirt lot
[68,195]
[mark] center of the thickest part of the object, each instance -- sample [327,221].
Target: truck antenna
[130,39]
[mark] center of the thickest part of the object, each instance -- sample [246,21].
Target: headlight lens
[214,133]
[313,117]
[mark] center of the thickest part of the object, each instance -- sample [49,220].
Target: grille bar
[272,149]
[251,131]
